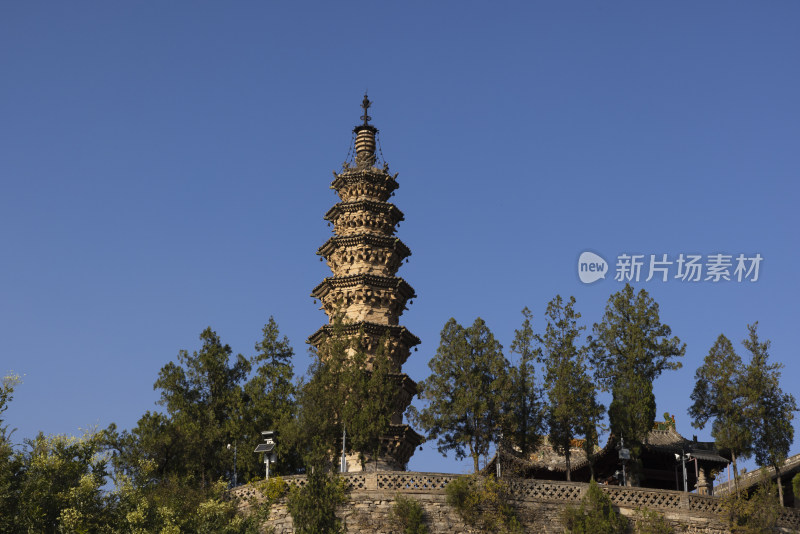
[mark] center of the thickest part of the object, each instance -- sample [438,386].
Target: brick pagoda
[364,256]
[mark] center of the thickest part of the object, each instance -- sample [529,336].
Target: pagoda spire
[365,105]
[365,138]
[364,256]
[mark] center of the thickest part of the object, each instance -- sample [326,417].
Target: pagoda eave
[371,175]
[402,441]
[398,332]
[404,290]
[408,385]
[364,239]
[364,205]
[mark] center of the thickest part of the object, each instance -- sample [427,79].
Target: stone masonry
[539,505]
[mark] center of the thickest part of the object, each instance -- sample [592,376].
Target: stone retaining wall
[540,504]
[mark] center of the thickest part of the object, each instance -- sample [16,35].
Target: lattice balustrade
[413,481]
[296,480]
[634,498]
[544,491]
[355,481]
[700,503]
[790,518]
[245,493]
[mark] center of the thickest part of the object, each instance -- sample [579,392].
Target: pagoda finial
[365,137]
[365,104]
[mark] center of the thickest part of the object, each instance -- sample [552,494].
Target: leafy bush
[313,507]
[754,514]
[595,515]
[483,502]
[651,522]
[409,515]
[272,489]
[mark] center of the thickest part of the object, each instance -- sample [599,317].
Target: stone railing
[788,469]
[531,490]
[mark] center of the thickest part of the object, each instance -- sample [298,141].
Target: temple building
[661,455]
[364,292]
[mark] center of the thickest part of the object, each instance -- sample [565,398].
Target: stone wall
[539,504]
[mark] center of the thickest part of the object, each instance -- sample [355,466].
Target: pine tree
[770,410]
[269,398]
[719,394]
[572,409]
[465,392]
[202,395]
[524,412]
[630,349]
[211,398]
[346,390]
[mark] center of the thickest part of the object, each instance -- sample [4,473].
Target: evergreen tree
[572,409]
[9,462]
[202,394]
[61,483]
[269,398]
[212,399]
[719,394]
[465,391]
[375,400]
[631,348]
[524,413]
[770,410]
[346,391]
[631,415]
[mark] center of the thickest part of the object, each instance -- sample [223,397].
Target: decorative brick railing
[788,469]
[531,490]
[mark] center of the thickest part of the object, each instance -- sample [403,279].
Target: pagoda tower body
[364,291]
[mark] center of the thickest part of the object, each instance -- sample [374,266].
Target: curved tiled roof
[661,440]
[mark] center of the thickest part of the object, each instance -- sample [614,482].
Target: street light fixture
[268,448]
[234,461]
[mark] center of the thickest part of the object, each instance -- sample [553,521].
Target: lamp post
[624,455]
[343,467]
[234,461]
[268,448]
[682,459]
[499,446]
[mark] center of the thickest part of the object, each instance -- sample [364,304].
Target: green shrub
[651,522]
[272,489]
[483,502]
[594,515]
[313,506]
[409,515]
[754,514]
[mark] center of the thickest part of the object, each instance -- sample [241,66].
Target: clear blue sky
[166,166]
